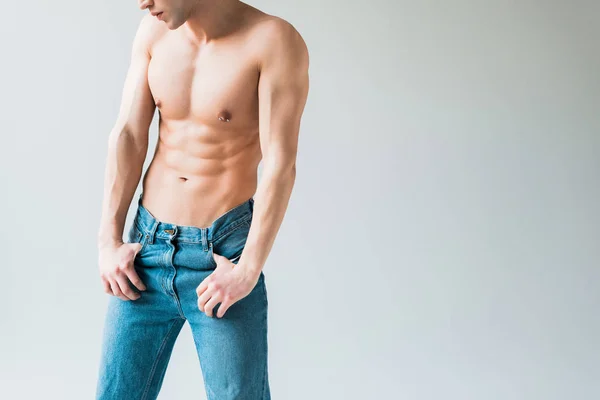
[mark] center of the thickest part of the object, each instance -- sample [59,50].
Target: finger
[106,286]
[201,288]
[203,285]
[134,278]
[210,304]
[234,259]
[125,288]
[116,291]
[217,257]
[136,247]
[224,307]
[202,299]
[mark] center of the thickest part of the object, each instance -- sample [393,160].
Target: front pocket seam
[211,255]
[233,227]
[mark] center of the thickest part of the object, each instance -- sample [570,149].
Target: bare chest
[215,86]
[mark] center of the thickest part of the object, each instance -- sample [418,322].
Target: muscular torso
[208,152]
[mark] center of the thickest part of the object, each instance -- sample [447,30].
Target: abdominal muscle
[199,172]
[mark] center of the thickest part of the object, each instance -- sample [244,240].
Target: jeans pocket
[231,245]
[211,255]
[136,235]
[263,283]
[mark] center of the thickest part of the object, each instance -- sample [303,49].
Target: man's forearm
[270,205]
[124,164]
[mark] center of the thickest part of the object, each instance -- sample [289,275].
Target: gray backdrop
[442,240]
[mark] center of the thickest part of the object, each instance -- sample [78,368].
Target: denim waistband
[153,228]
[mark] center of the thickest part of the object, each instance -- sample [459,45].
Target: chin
[173,28]
[171,24]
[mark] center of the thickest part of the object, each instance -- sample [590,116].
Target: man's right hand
[117,270]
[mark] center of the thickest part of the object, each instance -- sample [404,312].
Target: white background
[443,236]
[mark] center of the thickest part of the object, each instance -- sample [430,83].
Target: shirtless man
[230,83]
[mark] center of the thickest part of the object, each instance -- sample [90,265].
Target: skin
[230,83]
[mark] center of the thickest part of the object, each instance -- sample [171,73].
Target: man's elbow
[133,141]
[281,166]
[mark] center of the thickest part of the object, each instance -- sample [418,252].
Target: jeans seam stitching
[264,388]
[154,365]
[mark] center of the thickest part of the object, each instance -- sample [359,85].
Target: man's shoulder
[273,24]
[277,37]
[272,29]
[150,30]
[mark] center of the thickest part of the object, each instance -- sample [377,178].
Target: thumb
[136,247]
[216,256]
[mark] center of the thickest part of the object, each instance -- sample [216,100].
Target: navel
[224,116]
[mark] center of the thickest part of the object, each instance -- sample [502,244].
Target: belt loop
[251,204]
[209,235]
[204,237]
[152,232]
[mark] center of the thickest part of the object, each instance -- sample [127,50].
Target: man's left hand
[227,284]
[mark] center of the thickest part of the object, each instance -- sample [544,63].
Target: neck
[211,19]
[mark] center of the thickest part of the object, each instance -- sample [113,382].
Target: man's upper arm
[282,93]
[137,104]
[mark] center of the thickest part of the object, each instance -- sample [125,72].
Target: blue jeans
[139,335]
